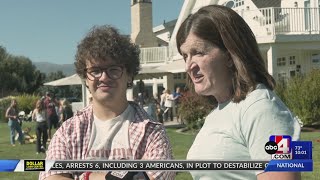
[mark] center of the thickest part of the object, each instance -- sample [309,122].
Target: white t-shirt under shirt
[239,131]
[169,100]
[110,138]
[41,116]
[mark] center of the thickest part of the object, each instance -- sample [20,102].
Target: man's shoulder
[83,116]
[84,112]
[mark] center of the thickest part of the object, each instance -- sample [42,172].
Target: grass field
[180,142]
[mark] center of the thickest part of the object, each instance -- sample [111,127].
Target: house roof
[267,3]
[165,25]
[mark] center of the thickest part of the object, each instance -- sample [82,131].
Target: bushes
[25,102]
[302,95]
[193,109]
[4,104]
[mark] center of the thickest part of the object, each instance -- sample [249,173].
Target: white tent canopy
[70,80]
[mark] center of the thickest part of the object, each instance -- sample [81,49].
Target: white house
[287,31]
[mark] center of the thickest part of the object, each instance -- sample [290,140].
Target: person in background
[159,112]
[168,104]
[163,99]
[52,117]
[152,108]
[223,61]
[12,115]
[39,115]
[65,110]
[111,127]
[177,98]
[140,99]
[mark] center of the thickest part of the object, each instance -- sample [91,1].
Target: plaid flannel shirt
[147,139]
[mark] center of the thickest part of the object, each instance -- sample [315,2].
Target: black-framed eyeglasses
[114,72]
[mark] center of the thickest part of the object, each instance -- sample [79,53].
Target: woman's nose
[187,64]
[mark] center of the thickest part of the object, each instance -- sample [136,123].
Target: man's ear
[86,83]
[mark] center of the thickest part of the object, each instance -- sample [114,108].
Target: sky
[49,31]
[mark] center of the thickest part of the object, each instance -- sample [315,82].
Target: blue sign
[301,149]
[296,165]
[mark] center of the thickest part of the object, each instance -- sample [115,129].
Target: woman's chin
[199,91]
[202,91]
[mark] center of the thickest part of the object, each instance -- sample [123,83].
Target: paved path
[173,123]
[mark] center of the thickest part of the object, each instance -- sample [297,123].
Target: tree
[301,94]
[18,74]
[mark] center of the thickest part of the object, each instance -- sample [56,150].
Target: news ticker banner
[160,165]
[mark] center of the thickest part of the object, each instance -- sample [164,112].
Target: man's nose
[104,75]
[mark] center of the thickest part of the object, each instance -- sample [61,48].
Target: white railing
[265,22]
[274,21]
[154,55]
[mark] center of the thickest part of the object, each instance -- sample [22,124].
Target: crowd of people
[48,113]
[162,107]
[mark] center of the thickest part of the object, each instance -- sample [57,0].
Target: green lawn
[180,142]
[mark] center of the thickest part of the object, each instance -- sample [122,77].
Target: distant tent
[70,80]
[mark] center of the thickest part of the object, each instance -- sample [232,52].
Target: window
[282,76]
[292,73]
[292,60]
[281,61]
[230,4]
[234,3]
[184,75]
[177,76]
[315,58]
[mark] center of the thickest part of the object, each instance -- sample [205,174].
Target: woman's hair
[39,105]
[65,103]
[103,43]
[227,30]
[12,104]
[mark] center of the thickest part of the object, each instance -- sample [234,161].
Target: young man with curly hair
[110,128]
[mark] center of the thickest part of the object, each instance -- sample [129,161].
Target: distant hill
[46,67]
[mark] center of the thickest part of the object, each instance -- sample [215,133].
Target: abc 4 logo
[278,145]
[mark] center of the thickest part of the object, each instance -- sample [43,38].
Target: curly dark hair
[103,43]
